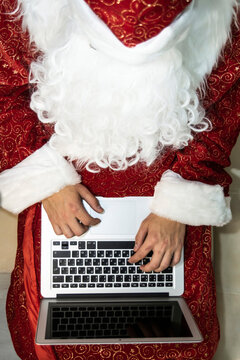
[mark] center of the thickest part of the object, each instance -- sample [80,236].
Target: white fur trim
[190,202]
[38,176]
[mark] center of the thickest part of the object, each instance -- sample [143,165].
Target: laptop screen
[67,320]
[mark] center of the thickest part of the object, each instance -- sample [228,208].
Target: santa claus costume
[131,98]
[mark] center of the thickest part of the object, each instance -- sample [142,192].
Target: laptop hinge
[111,296]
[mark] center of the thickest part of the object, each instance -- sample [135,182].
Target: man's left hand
[164,237]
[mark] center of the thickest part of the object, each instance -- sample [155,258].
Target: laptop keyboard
[78,321]
[102,264]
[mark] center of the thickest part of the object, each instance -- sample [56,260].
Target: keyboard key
[86,278]
[96,262]
[111,278]
[56,270]
[91,285]
[134,284]
[55,286]
[131,270]
[143,285]
[71,262]
[102,278]
[126,285]
[151,285]
[108,285]
[125,253]
[109,253]
[62,262]
[100,285]
[73,243]
[83,253]
[160,278]
[136,278]
[119,278]
[56,243]
[88,262]
[64,270]
[61,254]
[58,279]
[123,270]
[161,284]
[106,270]
[113,262]
[144,277]
[152,278]
[75,254]
[98,270]
[112,245]
[121,261]
[100,254]
[92,254]
[127,278]
[117,253]
[81,270]
[77,278]
[73,270]
[169,270]
[73,285]
[169,284]
[94,278]
[69,279]
[79,262]
[115,270]
[82,285]
[104,262]
[65,245]
[169,278]
[117,285]
[90,270]
[81,245]
[65,286]
[91,245]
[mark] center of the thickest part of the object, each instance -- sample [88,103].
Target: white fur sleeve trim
[38,176]
[190,202]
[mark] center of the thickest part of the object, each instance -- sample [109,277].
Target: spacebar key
[115,245]
[61,254]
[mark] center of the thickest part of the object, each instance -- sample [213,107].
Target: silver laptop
[92,295]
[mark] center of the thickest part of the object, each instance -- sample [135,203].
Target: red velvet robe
[202,160]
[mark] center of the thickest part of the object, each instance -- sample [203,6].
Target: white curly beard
[108,112]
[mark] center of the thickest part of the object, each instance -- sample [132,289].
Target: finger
[165,262]
[176,257]
[57,229]
[67,231]
[85,218]
[89,198]
[77,228]
[141,253]
[145,327]
[155,261]
[141,235]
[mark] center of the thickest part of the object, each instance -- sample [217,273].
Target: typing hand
[164,237]
[67,213]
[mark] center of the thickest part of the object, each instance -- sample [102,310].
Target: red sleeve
[20,131]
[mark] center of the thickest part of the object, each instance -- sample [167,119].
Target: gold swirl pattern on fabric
[135,21]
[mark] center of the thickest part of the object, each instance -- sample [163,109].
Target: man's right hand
[67,213]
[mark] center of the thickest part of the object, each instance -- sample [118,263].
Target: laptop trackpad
[122,216]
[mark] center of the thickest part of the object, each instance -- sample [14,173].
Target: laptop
[92,295]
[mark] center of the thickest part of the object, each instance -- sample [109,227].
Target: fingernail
[100,208]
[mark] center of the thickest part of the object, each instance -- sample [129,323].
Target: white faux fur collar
[209,29]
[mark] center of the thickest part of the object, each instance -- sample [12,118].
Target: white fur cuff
[38,176]
[190,202]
